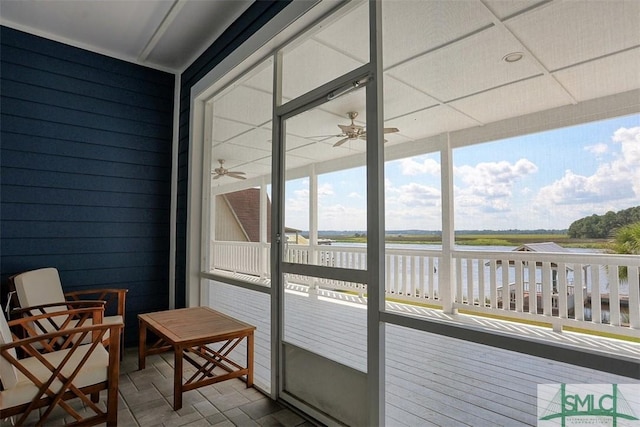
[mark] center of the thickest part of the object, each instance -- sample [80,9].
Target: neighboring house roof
[245,204]
[538,247]
[541,247]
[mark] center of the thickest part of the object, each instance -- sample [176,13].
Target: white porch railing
[580,290]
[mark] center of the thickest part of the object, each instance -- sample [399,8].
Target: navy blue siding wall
[258,14]
[85,169]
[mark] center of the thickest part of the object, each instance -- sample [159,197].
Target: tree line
[603,226]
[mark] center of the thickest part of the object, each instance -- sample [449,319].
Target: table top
[195,324]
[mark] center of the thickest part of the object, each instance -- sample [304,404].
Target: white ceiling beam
[162,28]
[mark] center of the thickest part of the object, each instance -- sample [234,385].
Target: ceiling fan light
[513,57]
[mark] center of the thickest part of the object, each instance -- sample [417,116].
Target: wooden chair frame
[115,300]
[30,342]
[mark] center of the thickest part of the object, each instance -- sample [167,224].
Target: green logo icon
[587,404]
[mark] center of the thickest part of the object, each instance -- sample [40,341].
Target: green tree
[627,241]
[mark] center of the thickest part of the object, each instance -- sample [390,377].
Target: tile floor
[146,399]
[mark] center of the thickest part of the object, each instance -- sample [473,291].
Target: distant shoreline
[481,239]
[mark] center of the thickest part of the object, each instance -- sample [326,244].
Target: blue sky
[545,180]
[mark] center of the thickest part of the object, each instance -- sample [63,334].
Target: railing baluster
[493,283]
[481,292]
[519,286]
[578,292]
[414,277]
[596,302]
[387,273]
[533,288]
[614,297]
[562,291]
[506,289]
[431,274]
[396,273]
[458,297]
[421,278]
[633,274]
[469,284]
[547,291]
[403,281]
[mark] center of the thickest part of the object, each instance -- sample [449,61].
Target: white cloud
[617,180]
[597,149]
[411,166]
[340,217]
[414,194]
[489,183]
[325,189]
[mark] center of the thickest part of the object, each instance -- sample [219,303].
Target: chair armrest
[38,323]
[29,346]
[111,296]
[66,305]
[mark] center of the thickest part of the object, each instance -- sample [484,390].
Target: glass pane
[240,211]
[253,308]
[332,48]
[325,188]
[331,323]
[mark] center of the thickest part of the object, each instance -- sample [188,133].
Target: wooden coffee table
[187,332]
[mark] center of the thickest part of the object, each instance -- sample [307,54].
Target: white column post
[313,223]
[263,231]
[446,287]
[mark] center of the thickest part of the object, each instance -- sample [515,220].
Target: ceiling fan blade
[217,176]
[339,143]
[391,130]
[234,175]
[237,172]
[327,136]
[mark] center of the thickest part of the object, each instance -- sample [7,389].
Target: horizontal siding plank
[56,163]
[82,119]
[152,266]
[69,132]
[83,150]
[81,101]
[90,245]
[18,229]
[41,78]
[62,213]
[21,194]
[70,180]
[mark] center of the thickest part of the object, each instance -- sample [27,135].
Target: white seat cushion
[94,371]
[8,372]
[38,287]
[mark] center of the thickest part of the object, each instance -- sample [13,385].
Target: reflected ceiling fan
[222,171]
[353,131]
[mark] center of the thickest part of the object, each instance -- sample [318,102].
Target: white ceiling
[443,63]
[444,72]
[164,34]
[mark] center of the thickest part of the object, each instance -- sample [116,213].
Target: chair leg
[95,397]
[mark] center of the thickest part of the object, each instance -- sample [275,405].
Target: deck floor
[430,379]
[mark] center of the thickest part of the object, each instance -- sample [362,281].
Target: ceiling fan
[353,131]
[222,171]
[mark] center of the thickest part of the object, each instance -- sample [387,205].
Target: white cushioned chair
[43,286]
[46,370]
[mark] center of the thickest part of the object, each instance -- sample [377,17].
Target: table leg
[250,360]
[177,378]
[142,344]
